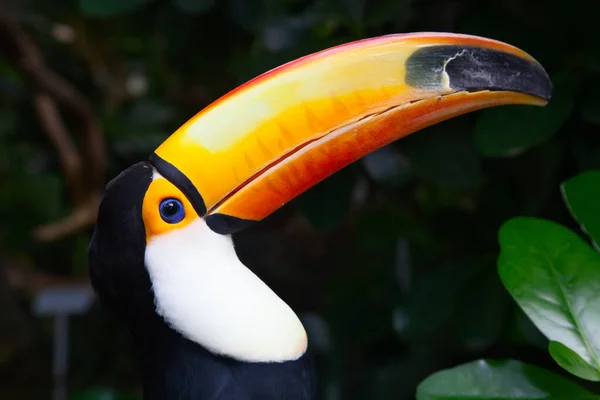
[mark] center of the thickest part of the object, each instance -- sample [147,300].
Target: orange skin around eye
[161,189]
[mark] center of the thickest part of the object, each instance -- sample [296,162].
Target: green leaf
[582,195]
[510,130]
[194,6]
[498,380]
[109,8]
[555,278]
[570,361]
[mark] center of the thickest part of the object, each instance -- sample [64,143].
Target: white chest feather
[205,293]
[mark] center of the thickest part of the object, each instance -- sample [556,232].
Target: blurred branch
[83,216]
[69,157]
[28,281]
[85,181]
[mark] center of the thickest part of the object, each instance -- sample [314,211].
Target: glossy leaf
[570,361]
[555,277]
[582,195]
[498,380]
[510,130]
[108,8]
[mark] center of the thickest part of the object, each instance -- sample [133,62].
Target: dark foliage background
[391,262]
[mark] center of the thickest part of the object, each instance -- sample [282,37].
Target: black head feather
[116,252]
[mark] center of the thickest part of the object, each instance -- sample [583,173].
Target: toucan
[162,258]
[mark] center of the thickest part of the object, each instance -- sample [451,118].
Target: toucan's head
[162,243]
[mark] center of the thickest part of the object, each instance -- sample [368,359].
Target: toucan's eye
[171,211]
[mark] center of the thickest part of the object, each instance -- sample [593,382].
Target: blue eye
[171,211]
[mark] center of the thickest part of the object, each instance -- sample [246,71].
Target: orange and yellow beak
[271,139]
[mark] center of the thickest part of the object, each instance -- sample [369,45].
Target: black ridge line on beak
[471,68]
[181,182]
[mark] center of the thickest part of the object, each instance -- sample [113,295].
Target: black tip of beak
[475,69]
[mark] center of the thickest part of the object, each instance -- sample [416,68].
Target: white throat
[205,293]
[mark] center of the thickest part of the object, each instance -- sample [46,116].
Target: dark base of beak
[225,224]
[475,69]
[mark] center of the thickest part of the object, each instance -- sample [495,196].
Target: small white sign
[63,300]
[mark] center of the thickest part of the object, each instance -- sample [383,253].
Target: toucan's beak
[269,140]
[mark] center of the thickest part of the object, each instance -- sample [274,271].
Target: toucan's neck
[174,367]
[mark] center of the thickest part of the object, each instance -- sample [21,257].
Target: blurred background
[391,262]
